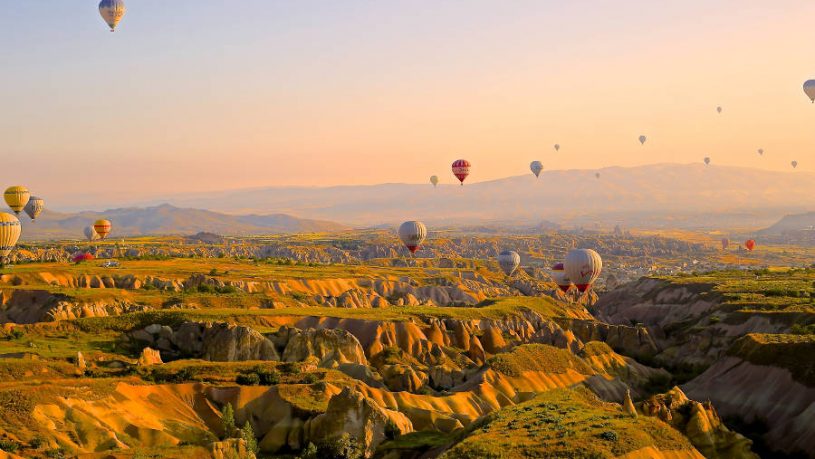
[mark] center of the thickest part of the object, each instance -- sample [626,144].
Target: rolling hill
[166,219]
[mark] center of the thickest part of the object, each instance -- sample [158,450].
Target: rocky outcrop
[233,448]
[149,357]
[330,347]
[700,423]
[635,341]
[352,413]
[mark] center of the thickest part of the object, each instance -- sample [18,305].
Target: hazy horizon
[192,97]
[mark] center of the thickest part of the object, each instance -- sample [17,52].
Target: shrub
[9,446]
[205,288]
[268,377]
[228,421]
[608,435]
[310,378]
[249,379]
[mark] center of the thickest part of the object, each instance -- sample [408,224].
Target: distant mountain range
[661,195]
[166,219]
[791,224]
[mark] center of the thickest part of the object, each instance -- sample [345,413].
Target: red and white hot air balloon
[560,277]
[583,267]
[412,234]
[750,244]
[461,169]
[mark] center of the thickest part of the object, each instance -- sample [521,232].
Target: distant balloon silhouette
[509,261]
[434,180]
[643,139]
[412,234]
[760,151]
[794,164]
[725,243]
[809,90]
[719,109]
[560,277]
[707,160]
[583,267]
[557,147]
[536,167]
[597,175]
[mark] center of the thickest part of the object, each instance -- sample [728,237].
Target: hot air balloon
[643,139]
[749,244]
[794,164]
[597,175]
[509,261]
[536,167]
[112,12]
[583,267]
[102,228]
[412,234]
[707,160]
[760,151]
[34,207]
[90,233]
[725,243]
[560,277]
[80,257]
[434,180]
[719,109]
[9,234]
[16,198]
[461,169]
[557,147]
[809,89]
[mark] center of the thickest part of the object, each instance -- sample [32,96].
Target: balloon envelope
[557,147]
[112,12]
[560,277]
[760,151]
[10,230]
[90,233]
[794,164]
[719,109]
[16,197]
[34,207]
[750,244]
[809,89]
[509,261]
[434,180]
[643,139]
[102,228]
[707,160]
[412,234]
[583,267]
[725,243]
[536,167]
[461,169]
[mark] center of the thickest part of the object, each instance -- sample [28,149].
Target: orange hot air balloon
[749,244]
[102,228]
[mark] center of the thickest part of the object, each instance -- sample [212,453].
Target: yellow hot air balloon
[9,234]
[17,197]
[102,228]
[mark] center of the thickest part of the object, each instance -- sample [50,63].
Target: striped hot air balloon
[102,228]
[509,261]
[583,267]
[412,234]
[17,197]
[112,12]
[34,207]
[10,230]
[461,169]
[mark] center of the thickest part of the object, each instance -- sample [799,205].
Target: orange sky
[197,96]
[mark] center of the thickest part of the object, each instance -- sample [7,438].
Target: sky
[206,95]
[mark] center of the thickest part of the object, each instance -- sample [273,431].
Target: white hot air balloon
[536,167]
[809,90]
[794,164]
[583,267]
[643,139]
[9,234]
[509,261]
[112,12]
[412,234]
[434,180]
[90,233]
[560,277]
[707,160]
[34,207]
[557,147]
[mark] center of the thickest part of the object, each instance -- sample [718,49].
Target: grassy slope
[569,423]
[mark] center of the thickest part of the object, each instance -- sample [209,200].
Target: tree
[248,435]
[228,421]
